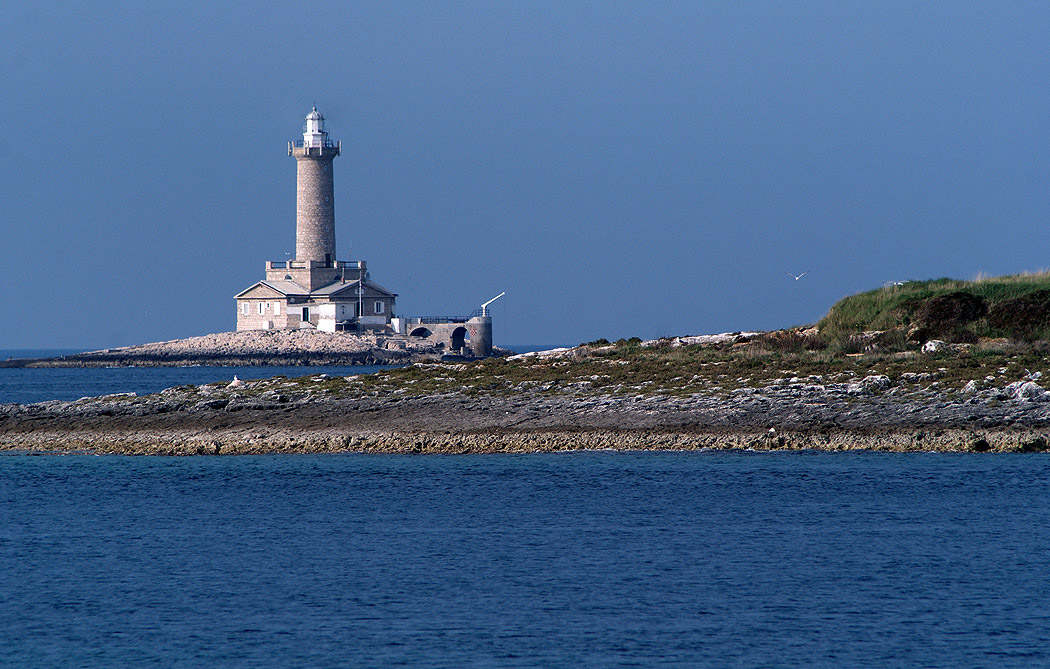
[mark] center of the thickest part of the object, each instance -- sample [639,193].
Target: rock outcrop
[252,347]
[319,414]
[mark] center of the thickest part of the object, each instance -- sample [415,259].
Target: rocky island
[254,347]
[956,366]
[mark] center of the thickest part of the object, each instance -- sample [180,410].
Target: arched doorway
[421,332]
[459,338]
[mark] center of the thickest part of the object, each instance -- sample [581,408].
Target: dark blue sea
[24,386]
[556,560]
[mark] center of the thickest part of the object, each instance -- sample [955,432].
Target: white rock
[552,353]
[933,346]
[970,387]
[236,383]
[113,396]
[876,382]
[703,340]
[1027,391]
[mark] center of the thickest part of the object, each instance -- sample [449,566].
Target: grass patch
[1017,307]
[842,350]
[631,369]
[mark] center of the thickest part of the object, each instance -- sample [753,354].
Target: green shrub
[961,311]
[1026,317]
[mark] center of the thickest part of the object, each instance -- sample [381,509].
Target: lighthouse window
[262,308]
[276,308]
[325,168]
[244,308]
[379,307]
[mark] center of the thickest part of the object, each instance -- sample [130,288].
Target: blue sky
[618,169]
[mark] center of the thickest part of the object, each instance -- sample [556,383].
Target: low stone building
[341,305]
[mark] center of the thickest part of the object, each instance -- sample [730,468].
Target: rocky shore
[322,414]
[761,391]
[253,347]
[838,386]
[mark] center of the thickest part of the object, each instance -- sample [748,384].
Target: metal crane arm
[484,307]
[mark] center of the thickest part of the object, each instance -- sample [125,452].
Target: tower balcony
[314,148]
[314,264]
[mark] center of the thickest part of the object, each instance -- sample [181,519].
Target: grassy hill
[1015,307]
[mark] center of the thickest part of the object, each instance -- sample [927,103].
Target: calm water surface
[25,386]
[579,559]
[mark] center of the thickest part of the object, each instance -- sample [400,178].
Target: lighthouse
[315,196]
[316,291]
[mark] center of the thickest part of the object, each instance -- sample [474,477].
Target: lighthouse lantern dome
[314,134]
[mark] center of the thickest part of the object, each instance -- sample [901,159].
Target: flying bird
[796,278]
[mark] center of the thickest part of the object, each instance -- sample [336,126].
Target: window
[244,308]
[379,307]
[276,308]
[262,308]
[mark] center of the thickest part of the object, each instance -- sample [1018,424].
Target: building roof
[378,288]
[291,289]
[285,288]
[338,287]
[314,115]
[333,288]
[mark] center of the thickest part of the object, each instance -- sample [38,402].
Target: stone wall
[270,319]
[310,275]
[314,205]
[470,336]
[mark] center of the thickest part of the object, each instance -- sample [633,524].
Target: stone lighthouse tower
[316,291]
[315,197]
